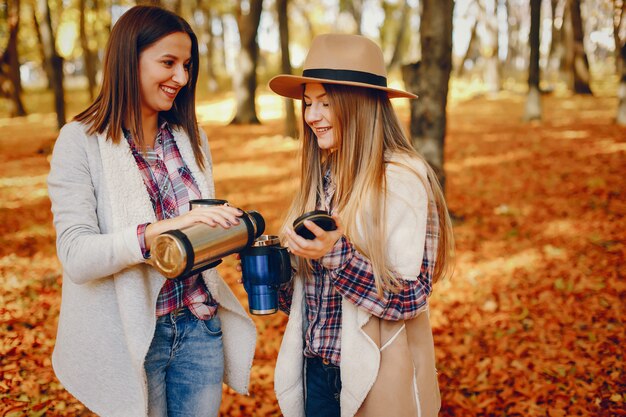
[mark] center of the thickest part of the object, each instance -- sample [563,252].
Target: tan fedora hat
[339,59]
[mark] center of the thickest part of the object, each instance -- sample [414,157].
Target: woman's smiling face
[318,115]
[163,71]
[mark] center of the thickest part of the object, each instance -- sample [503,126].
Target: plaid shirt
[170,187]
[346,273]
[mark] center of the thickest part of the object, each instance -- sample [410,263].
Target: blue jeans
[185,367]
[323,389]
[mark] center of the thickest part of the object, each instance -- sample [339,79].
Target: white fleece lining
[390,341]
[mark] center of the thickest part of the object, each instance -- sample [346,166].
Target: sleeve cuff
[339,255]
[141,237]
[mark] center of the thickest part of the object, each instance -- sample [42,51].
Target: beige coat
[387,368]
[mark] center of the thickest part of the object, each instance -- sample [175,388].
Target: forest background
[522,111]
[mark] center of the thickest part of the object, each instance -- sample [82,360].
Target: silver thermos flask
[190,250]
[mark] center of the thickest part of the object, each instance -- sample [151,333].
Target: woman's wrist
[153,230]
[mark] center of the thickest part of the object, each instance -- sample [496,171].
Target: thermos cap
[321,218]
[169,255]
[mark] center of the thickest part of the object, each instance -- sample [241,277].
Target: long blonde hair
[367,131]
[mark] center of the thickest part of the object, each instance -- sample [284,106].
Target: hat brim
[290,86]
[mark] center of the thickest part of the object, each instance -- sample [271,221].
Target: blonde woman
[358,340]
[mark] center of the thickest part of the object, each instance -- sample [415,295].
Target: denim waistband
[318,360]
[175,314]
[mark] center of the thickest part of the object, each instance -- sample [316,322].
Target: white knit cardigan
[109,294]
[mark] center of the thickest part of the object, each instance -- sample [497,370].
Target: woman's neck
[149,125]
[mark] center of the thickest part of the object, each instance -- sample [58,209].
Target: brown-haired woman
[358,340]
[130,342]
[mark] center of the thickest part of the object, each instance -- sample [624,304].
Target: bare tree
[291,129]
[516,47]
[53,60]
[533,101]
[302,10]
[355,8]
[245,77]
[208,14]
[10,60]
[401,36]
[490,46]
[471,51]
[429,79]
[619,12]
[88,56]
[621,111]
[44,61]
[221,40]
[579,81]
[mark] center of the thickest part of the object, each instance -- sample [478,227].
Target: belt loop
[178,312]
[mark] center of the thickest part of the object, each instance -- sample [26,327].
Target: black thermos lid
[259,221]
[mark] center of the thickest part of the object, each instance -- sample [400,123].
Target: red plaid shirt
[345,272]
[170,186]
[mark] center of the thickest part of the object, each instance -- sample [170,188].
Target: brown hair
[119,97]
[368,135]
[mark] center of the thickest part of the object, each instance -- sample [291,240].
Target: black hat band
[346,75]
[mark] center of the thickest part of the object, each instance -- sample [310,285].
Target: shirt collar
[163,132]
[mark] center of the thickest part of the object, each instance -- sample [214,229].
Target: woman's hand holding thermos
[222,215]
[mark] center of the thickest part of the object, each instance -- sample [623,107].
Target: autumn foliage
[531,324]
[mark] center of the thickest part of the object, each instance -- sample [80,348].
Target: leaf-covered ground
[531,324]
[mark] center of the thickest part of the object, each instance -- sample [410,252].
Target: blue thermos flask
[265,266]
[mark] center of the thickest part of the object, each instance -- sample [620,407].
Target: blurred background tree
[54,48]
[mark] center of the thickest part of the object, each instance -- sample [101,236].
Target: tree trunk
[355,8]
[54,61]
[513,28]
[429,79]
[490,48]
[471,46]
[291,129]
[13,59]
[302,9]
[207,11]
[245,77]
[221,37]
[581,63]
[556,54]
[617,24]
[42,52]
[621,110]
[533,101]
[88,55]
[400,43]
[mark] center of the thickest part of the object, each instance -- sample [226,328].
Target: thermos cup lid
[320,217]
[207,202]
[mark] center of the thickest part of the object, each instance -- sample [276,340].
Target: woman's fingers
[224,216]
[314,228]
[338,223]
[312,249]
